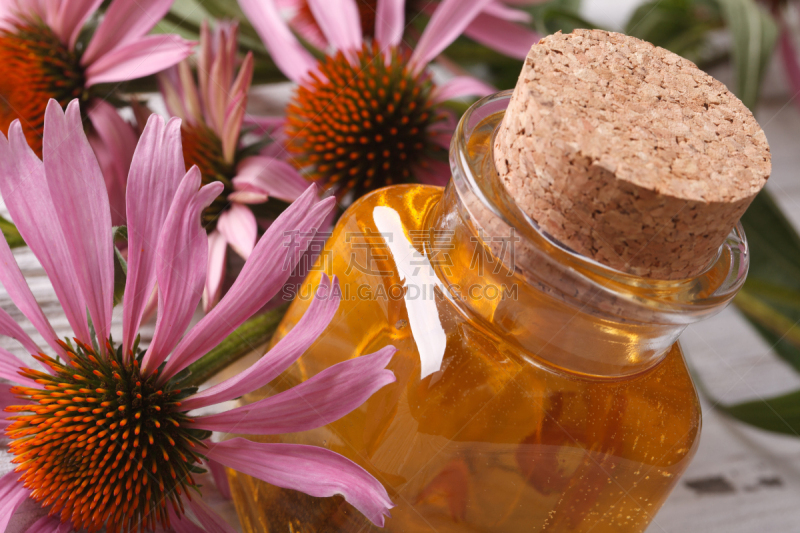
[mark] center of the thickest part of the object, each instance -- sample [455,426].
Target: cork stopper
[628,153]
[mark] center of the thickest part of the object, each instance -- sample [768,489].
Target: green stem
[769,318]
[246,338]
[13,237]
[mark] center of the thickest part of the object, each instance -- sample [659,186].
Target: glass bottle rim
[710,290]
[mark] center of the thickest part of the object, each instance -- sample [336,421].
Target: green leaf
[120,264]
[13,238]
[754,34]
[780,414]
[770,298]
[681,26]
[246,338]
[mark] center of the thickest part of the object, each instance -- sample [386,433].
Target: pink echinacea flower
[103,433]
[44,54]
[213,110]
[368,114]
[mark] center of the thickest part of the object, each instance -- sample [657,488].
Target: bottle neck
[562,308]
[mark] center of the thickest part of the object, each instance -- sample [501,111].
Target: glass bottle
[537,390]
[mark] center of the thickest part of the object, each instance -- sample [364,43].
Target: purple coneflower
[42,57]
[103,434]
[213,109]
[368,114]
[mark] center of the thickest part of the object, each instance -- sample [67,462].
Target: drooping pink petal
[81,203]
[27,197]
[193,110]
[6,399]
[114,151]
[462,86]
[212,522]
[340,22]
[71,16]
[238,225]
[271,176]
[181,262]
[124,22]
[247,197]
[17,288]
[509,38]
[220,478]
[155,173]
[284,353]
[138,59]
[232,126]
[498,9]
[50,524]
[10,366]
[182,523]
[263,125]
[12,494]
[10,328]
[390,22]
[268,267]
[217,247]
[315,471]
[447,23]
[284,48]
[433,172]
[171,88]
[325,398]
[791,64]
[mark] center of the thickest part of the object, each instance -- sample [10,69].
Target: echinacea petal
[182,260]
[284,353]
[17,288]
[461,86]
[12,494]
[212,522]
[315,471]
[6,399]
[325,398]
[446,24]
[145,56]
[509,38]
[220,478]
[10,365]
[156,172]
[284,48]
[50,524]
[262,276]
[71,16]
[124,22]
[498,9]
[10,328]
[340,23]
[114,146]
[81,203]
[238,225]
[180,523]
[390,22]
[217,248]
[27,197]
[271,176]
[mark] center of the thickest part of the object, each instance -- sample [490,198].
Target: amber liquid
[497,440]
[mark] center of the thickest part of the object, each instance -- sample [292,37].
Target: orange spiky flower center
[363,124]
[101,444]
[34,67]
[203,148]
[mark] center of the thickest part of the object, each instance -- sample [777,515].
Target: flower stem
[246,338]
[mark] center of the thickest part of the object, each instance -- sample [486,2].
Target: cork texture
[628,153]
